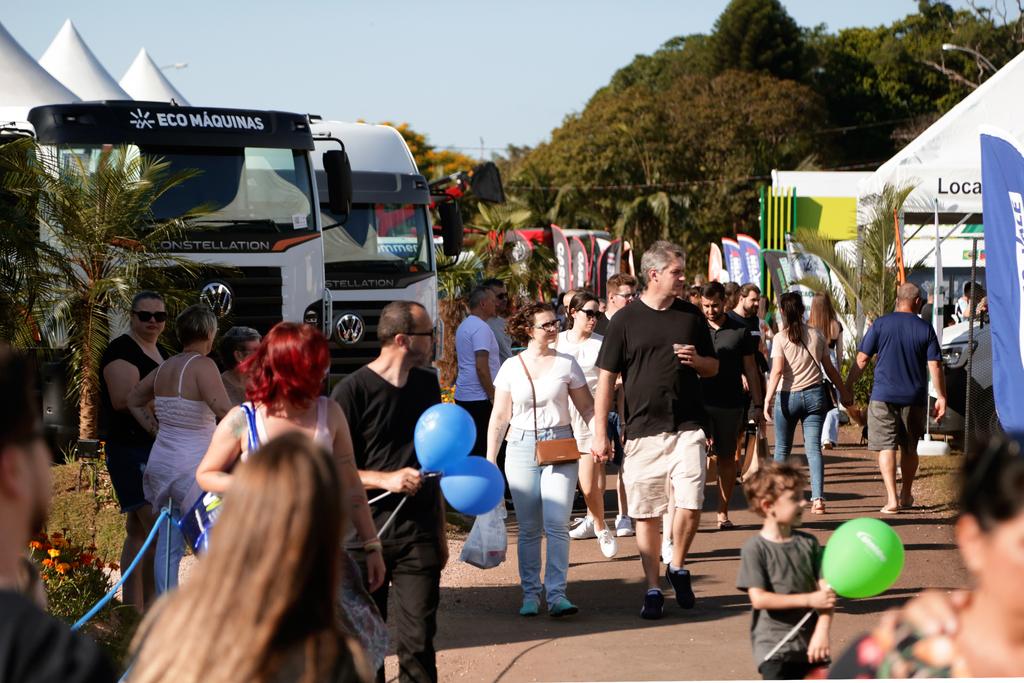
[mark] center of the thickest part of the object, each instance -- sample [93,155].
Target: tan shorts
[892,426]
[651,461]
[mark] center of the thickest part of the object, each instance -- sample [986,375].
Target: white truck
[382,248]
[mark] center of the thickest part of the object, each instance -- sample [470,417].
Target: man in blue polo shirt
[907,351]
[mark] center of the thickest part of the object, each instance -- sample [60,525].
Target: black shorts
[126,465]
[725,425]
[615,436]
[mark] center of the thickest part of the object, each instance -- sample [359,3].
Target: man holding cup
[662,348]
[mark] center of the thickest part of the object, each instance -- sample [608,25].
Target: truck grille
[257,300]
[347,358]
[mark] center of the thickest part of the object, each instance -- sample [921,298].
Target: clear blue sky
[507,72]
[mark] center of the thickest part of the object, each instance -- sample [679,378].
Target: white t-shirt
[474,335]
[586,355]
[552,391]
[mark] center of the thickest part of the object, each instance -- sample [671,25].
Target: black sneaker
[654,605]
[680,581]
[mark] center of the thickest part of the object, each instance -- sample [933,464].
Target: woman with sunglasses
[580,342]
[532,392]
[125,362]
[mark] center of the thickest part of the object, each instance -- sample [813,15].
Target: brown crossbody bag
[552,451]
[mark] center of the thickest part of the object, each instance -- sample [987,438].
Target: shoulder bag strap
[821,372]
[254,436]
[534,392]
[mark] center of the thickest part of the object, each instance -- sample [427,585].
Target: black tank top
[119,426]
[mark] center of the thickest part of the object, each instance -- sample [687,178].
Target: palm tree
[649,218]
[101,243]
[865,277]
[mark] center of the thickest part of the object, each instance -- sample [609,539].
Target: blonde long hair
[823,316]
[266,589]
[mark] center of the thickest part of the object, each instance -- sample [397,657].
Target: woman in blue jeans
[531,402]
[799,354]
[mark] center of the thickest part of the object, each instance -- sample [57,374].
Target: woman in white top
[800,363]
[188,397]
[580,342]
[284,379]
[542,495]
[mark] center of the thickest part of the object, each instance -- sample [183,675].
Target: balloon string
[394,512]
[425,475]
[785,638]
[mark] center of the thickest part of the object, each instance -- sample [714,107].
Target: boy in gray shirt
[780,569]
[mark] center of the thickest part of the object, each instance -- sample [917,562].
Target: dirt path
[481,638]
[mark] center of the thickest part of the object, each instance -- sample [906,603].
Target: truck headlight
[955,355]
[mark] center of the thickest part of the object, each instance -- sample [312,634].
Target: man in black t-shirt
[661,346]
[382,402]
[34,647]
[724,398]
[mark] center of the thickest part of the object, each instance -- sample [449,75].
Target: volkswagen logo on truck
[350,328]
[218,297]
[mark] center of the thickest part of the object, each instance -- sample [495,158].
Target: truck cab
[383,249]
[256,176]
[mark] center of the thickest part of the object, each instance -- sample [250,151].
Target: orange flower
[85,558]
[63,568]
[53,552]
[35,545]
[115,566]
[47,562]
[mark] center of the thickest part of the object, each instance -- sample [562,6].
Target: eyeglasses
[146,316]
[590,314]
[432,333]
[549,326]
[627,297]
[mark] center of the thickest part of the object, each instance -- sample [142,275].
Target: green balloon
[863,558]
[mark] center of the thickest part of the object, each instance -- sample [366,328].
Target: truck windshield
[379,237]
[247,190]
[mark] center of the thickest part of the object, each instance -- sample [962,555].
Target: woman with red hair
[283,391]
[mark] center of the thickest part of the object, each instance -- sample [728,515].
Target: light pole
[176,65]
[950,47]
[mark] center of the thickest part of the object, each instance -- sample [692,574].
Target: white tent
[944,162]
[23,83]
[72,63]
[145,81]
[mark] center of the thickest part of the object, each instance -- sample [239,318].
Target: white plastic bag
[488,542]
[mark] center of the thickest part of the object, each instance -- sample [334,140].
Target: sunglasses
[550,326]
[590,314]
[431,334]
[146,316]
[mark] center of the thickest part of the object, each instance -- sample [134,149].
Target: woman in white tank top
[188,396]
[285,378]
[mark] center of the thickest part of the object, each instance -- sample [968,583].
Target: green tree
[758,35]
[432,162]
[100,244]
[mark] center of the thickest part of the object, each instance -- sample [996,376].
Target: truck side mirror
[339,181]
[451,228]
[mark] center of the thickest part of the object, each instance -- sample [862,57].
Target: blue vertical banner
[1002,195]
[750,252]
[733,261]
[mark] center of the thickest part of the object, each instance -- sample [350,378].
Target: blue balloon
[445,434]
[473,486]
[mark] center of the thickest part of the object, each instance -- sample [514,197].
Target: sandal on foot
[818,506]
[725,524]
[890,511]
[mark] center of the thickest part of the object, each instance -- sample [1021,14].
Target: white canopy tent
[145,81]
[69,60]
[944,162]
[24,84]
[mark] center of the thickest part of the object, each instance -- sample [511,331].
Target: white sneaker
[666,551]
[584,529]
[607,542]
[623,526]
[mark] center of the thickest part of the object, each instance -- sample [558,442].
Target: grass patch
[937,485]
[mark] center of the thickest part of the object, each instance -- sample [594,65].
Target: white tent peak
[944,161]
[23,83]
[72,63]
[144,81]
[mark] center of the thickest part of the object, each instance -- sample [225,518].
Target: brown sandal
[818,506]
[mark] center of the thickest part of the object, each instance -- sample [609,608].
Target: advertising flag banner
[716,269]
[779,271]
[750,252]
[563,267]
[580,263]
[609,264]
[1002,183]
[733,261]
